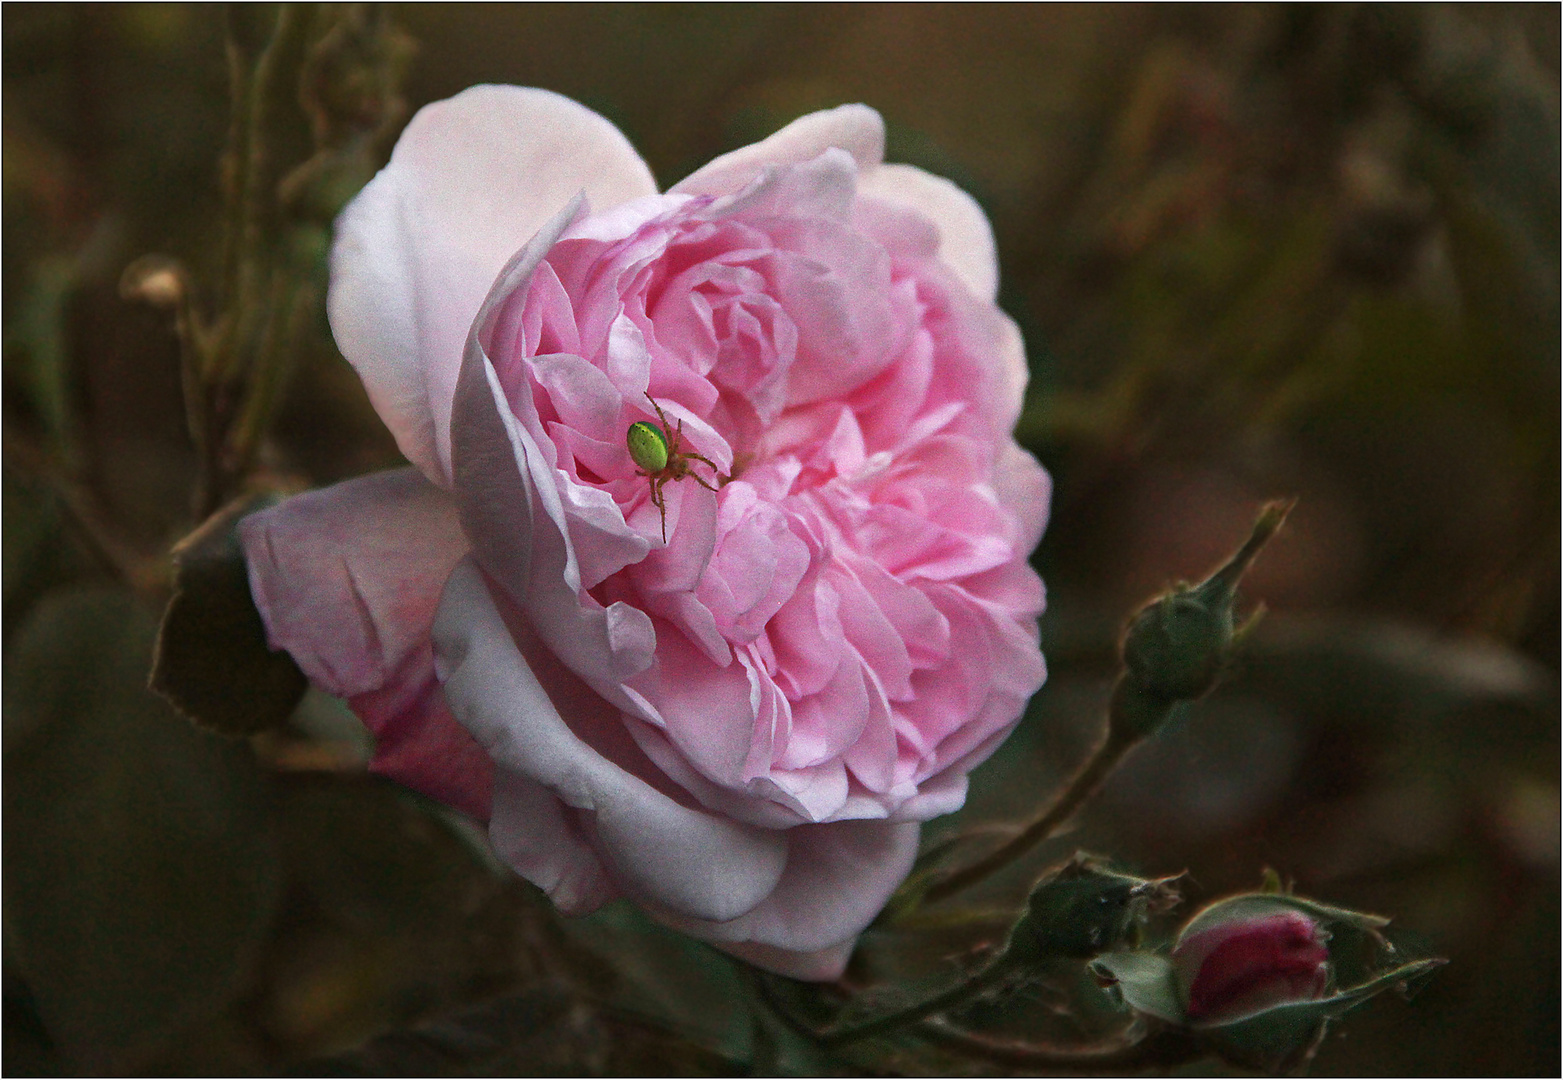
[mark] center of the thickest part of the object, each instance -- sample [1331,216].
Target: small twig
[958,994]
[1174,650]
[235,159]
[1086,782]
[257,194]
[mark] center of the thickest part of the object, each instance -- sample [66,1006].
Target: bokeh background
[1255,250]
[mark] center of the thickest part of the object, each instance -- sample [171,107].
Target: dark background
[1255,251]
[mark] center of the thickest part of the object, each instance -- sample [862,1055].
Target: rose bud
[1175,648]
[1244,966]
[709,579]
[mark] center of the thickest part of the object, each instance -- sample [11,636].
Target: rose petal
[470,180]
[965,237]
[826,965]
[1026,489]
[857,129]
[347,578]
[419,743]
[513,512]
[838,878]
[532,831]
[667,854]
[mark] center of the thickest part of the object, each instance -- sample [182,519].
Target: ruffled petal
[536,836]
[512,510]
[470,180]
[1025,488]
[418,743]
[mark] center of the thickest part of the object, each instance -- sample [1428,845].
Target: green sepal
[212,660]
[1146,981]
[1177,646]
[1083,909]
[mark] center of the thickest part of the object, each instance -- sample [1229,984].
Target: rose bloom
[739,727]
[1245,966]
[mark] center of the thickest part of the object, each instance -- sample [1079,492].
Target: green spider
[656,451]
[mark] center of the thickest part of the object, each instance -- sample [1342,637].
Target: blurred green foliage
[1256,251]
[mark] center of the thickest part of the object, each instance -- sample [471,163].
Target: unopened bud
[1177,646]
[1246,966]
[1259,977]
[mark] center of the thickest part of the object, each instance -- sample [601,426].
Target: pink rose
[741,727]
[1244,966]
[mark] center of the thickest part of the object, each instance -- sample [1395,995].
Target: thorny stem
[240,352]
[1134,1047]
[290,306]
[255,193]
[235,160]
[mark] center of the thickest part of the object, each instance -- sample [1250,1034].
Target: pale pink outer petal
[965,238]
[826,965]
[664,853]
[1009,356]
[838,878]
[857,129]
[471,179]
[347,580]
[531,830]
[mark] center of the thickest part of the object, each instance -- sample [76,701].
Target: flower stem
[956,995]
[1114,745]
[1173,652]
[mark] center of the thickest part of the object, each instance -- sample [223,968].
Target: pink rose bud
[1245,966]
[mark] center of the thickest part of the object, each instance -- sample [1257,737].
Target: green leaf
[212,661]
[1147,981]
[140,868]
[39,332]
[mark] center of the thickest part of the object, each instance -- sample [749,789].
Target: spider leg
[722,480]
[660,416]
[660,502]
